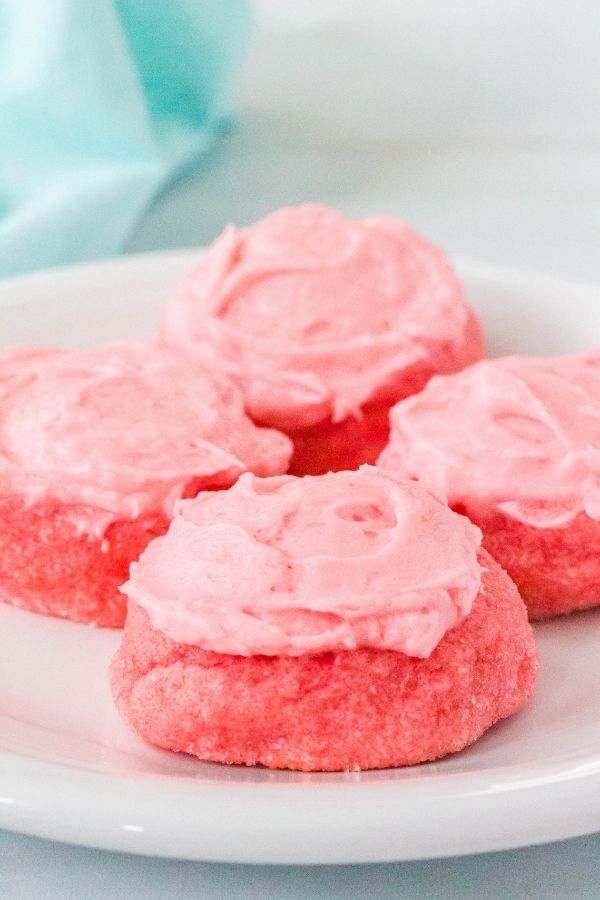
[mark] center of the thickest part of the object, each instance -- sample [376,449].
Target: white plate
[69,770]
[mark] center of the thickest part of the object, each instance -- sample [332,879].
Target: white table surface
[378,113]
[31,869]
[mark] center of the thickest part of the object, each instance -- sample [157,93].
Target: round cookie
[514,444]
[335,644]
[324,323]
[96,447]
[47,565]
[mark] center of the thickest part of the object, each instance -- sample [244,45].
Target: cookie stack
[306,586]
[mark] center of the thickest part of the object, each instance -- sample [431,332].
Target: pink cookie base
[329,447]
[557,570]
[326,447]
[348,710]
[47,567]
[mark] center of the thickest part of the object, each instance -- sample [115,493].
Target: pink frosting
[518,434]
[314,314]
[288,566]
[122,430]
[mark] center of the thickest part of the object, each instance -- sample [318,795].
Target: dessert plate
[69,770]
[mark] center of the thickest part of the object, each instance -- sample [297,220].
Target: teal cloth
[101,103]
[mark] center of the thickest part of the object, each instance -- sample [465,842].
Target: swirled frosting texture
[518,434]
[122,430]
[288,566]
[314,314]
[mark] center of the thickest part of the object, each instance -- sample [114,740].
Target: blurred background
[133,126]
[477,122]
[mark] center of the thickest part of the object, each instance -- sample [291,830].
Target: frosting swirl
[313,314]
[288,566]
[122,430]
[519,434]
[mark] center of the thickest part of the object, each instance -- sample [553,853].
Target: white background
[477,121]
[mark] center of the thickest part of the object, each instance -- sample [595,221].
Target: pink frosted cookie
[96,447]
[324,323]
[347,621]
[514,444]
